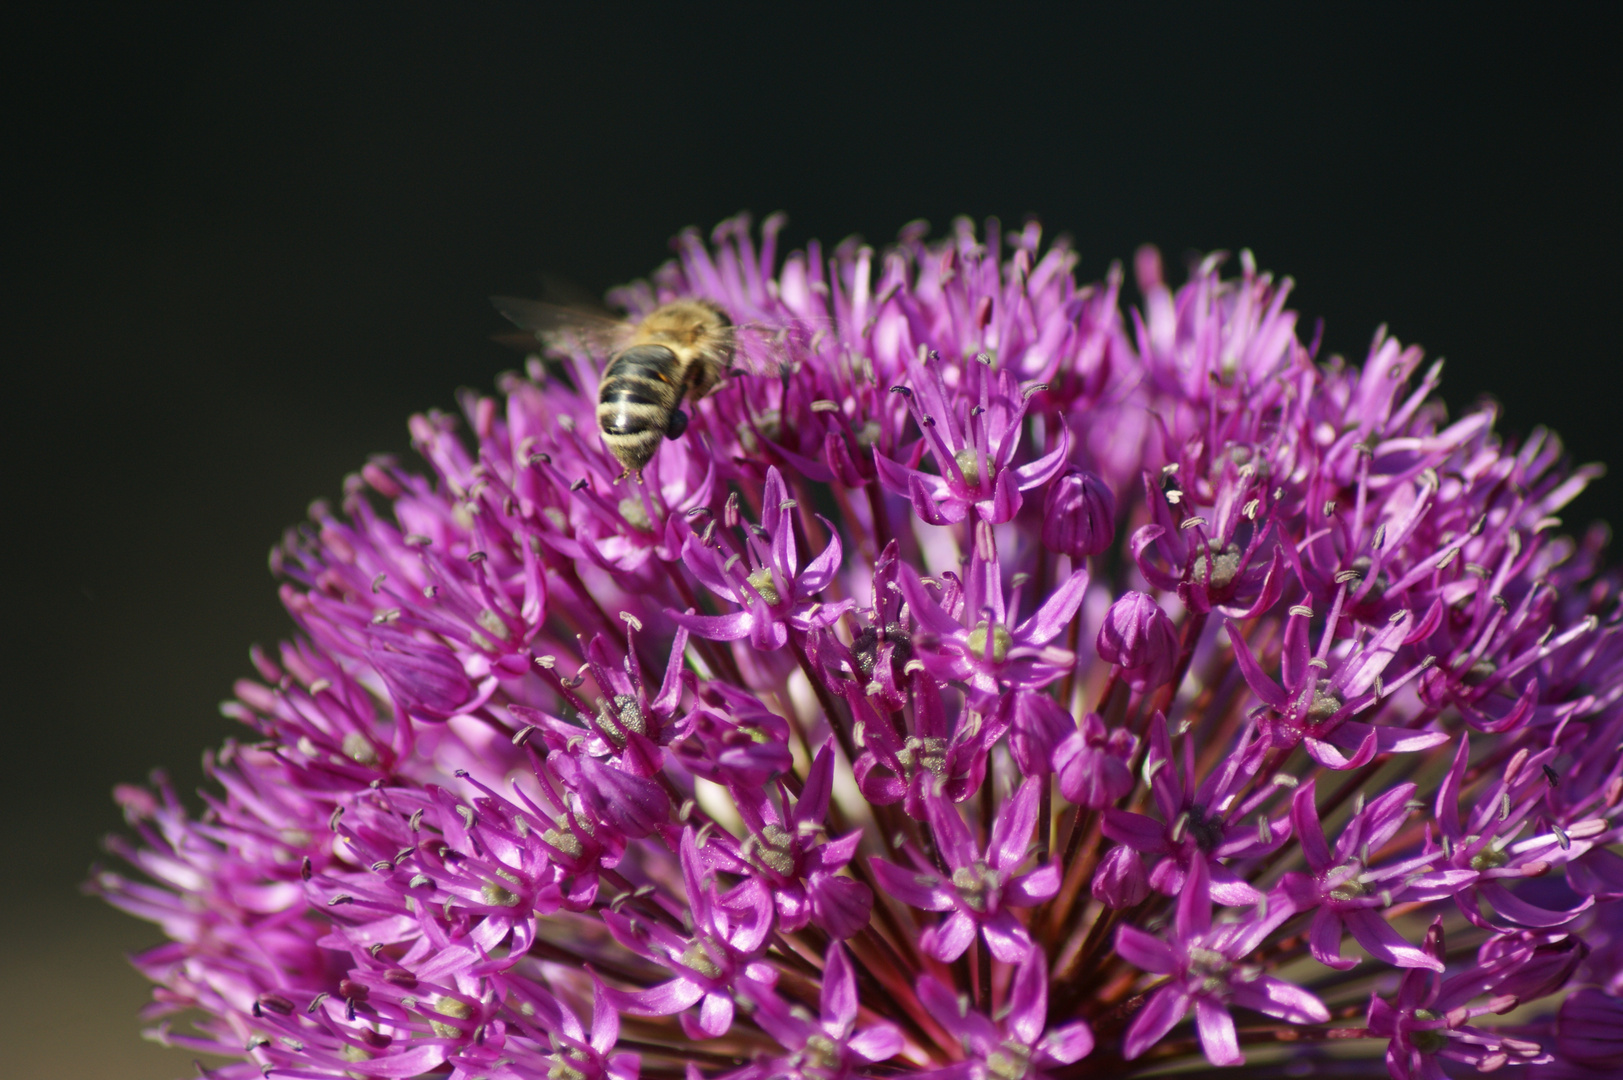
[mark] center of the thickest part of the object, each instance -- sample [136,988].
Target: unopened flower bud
[1120,881]
[1092,764]
[1079,515]
[1038,725]
[1138,637]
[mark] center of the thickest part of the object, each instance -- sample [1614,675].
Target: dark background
[245,243]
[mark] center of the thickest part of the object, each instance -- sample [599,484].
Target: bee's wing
[560,327]
[762,348]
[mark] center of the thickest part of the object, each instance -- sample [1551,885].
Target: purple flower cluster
[988,684]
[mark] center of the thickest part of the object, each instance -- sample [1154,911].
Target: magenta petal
[605,1020]
[877,1043]
[1043,469]
[1270,692]
[839,998]
[1217,1035]
[1324,939]
[715,627]
[820,571]
[1006,938]
[1028,1000]
[1067,1044]
[1276,997]
[1506,903]
[1159,1015]
[1331,758]
[663,1000]
[925,609]
[1137,831]
[1597,873]
[1145,951]
[1309,830]
[1011,831]
[923,891]
[1057,611]
[1029,890]
[716,1015]
[1376,935]
[948,941]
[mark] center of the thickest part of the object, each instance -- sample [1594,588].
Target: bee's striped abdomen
[639,391]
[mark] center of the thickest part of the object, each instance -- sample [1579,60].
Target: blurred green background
[244,242]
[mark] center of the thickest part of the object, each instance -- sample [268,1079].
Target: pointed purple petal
[1067,1044]
[877,1043]
[716,1015]
[1028,1001]
[923,891]
[1324,939]
[1268,692]
[1044,468]
[1159,1015]
[1138,831]
[1309,830]
[821,570]
[1507,904]
[948,941]
[1057,611]
[1378,938]
[1011,830]
[1217,1035]
[1007,938]
[1145,951]
[839,998]
[1029,890]
[715,627]
[1276,997]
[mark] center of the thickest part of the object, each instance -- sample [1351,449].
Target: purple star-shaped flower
[1198,825]
[828,1046]
[1206,970]
[982,886]
[1427,1022]
[967,635]
[765,578]
[973,433]
[795,857]
[730,933]
[1349,894]
[1015,1045]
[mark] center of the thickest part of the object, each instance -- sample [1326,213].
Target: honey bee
[678,351]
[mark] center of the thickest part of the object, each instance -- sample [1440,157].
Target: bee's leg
[677,425]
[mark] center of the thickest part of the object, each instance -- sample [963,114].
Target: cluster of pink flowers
[988,684]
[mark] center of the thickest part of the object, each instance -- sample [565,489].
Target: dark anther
[315,1003]
[1170,488]
[276,1003]
[1551,775]
[902,390]
[1207,831]
[305,869]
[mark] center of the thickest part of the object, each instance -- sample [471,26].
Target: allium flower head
[989,683]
